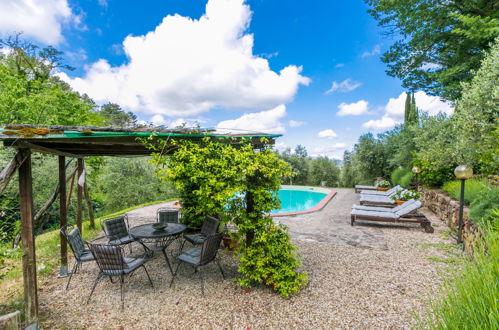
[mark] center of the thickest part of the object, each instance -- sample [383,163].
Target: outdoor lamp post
[416,170]
[462,172]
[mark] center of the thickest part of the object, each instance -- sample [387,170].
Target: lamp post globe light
[462,172]
[416,170]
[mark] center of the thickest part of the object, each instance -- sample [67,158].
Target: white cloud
[345,86]
[334,151]
[327,133]
[339,65]
[281,146]
[375,51]
[269,121]
[384,123]
[186,67]
[296,123]
[353,109]
[395,108]
[426,103]
[41,20]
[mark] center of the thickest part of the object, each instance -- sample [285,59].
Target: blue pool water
[298,200]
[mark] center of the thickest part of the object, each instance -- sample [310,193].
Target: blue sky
[309,70]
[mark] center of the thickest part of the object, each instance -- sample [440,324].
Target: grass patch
[473,187]
[470,295]
[443,260]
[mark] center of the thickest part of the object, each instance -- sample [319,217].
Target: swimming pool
[297,200]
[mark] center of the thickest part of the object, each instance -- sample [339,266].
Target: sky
[310,70]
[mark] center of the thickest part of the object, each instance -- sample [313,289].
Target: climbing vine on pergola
[239,184]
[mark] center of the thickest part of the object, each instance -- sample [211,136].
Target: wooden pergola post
[63,220]
[79,194]
[27,238]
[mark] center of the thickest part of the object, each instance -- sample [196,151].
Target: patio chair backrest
[416,204]
[210,248]
[210,226]
[109,258]
[167,215]
[116,228]
[76,242]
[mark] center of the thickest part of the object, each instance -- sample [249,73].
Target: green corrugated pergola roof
[110,141]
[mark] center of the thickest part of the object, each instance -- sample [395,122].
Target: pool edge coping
[316,208]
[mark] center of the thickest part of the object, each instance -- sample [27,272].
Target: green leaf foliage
[438,43]
[473,189]
[484,209]
[470,294]
[406,180]
[30,94]
[271,260]
[397,174]
[231,180]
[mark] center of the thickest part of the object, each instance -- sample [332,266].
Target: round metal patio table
[160,239]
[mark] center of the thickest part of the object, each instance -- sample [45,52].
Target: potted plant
[230,239]
[400,197]
[383,185]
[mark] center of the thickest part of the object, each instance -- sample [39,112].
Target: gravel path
[367,276]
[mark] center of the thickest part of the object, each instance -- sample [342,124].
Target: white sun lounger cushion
[383,209]
[376,199]
[377,214]
[389,192]
[409,208]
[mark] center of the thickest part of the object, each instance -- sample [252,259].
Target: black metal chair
[197,257]
[77,246]
[209,228]
[112,262]
[116,231]
[167,215]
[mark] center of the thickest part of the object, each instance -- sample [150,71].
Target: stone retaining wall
[447,209]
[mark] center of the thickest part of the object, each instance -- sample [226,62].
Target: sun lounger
[359,187]
[406,212]
[389,192]
[381,208]
[366,199]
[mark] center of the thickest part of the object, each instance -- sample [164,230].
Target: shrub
[397,174]
[484,208]
[473,188]
[470,295]
[271,260]
[406,180]
[405,195]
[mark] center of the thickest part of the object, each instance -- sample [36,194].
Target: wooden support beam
[79,194]
[71,185]
[89,206]
[9,170]
[27,238]
[63,220]
[42,149]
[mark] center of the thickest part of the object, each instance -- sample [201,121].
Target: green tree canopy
[30,94]
[439,43]
[115,116]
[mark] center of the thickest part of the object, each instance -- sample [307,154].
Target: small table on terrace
[160,239]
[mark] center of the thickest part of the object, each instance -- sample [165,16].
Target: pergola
[79,142]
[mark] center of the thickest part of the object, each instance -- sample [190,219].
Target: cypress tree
[414,111]
[407,111]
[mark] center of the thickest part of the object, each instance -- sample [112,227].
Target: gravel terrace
[366,276]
